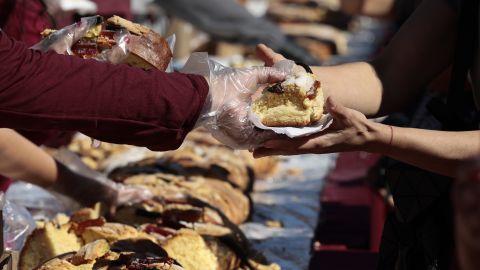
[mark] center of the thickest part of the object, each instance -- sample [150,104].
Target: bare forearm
[438,151]
[422,49]
[373,8]
[21,159]
[354,85]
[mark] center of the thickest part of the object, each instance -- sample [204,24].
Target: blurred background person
[419,234]
[235,24]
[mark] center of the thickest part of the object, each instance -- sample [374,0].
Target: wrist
[206,107]
[381,138]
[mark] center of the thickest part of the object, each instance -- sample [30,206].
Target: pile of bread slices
[201,196]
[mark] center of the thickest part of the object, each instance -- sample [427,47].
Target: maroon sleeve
[24,20]
[113,103]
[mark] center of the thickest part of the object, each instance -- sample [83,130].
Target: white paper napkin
[294,132]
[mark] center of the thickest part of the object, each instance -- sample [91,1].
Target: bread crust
[219,194]
[149,51]
[132,27]
[292,123]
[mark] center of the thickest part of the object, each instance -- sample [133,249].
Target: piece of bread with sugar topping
[295,102]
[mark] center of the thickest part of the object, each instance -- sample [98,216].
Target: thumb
[336,110]
[255,76]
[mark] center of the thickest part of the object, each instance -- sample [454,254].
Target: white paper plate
[294,132]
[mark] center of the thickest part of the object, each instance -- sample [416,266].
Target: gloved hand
[62,40]
[88,187]
[225,114]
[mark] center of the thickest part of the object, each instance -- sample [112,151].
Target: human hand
[350,131]
[62,40]
[225,114]
[77,181]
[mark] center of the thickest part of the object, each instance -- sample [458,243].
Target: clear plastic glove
[225,114]
[62,40]
[17,224]
[86,186]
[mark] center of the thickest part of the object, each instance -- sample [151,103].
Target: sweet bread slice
[295,102]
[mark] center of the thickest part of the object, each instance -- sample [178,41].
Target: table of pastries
[213,208]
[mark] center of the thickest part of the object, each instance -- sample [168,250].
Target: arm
[112,103]
[120,104]
[21,159]
[419,51]
[422,49]
[438,151]
[388,84]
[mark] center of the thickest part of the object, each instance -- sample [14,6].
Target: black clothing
[419,234]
